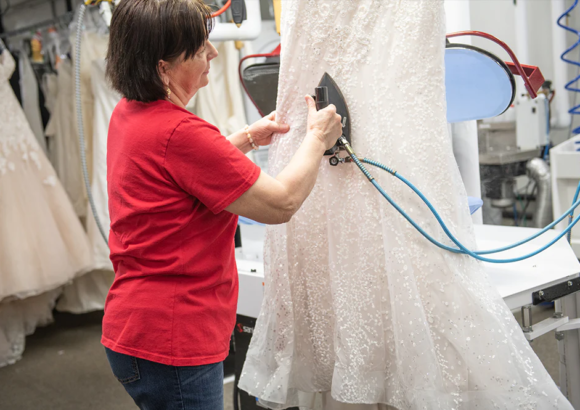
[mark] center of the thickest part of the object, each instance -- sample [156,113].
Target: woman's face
[185,77]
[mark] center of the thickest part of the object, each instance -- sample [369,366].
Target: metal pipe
[538,170]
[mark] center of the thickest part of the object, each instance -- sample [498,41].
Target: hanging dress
[42,243]
[357,304]
[89,292]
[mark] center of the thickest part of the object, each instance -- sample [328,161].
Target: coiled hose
[80,124]
[569,86]
[460,247]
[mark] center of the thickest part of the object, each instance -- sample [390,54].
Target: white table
[517,281]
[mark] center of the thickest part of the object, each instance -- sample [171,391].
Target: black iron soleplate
[555,292]
[335,97]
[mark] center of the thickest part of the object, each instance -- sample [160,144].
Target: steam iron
[328,93]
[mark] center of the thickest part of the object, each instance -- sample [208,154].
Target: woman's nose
[213,53]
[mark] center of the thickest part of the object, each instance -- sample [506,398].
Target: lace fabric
[357,304]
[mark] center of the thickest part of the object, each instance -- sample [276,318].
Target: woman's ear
[163,70]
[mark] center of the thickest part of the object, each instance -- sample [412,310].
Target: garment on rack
[63,142]
[30,100]
[357,304]
[42,243]
[89,292]
[221,102]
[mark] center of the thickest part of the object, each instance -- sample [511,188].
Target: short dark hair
[143,32]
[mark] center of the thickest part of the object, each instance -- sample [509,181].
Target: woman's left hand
[263,129]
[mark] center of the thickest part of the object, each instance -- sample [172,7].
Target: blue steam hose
[460,247]
[571,215]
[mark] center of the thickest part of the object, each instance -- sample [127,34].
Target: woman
[176,187]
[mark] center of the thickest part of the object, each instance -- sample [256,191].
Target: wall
[497,17]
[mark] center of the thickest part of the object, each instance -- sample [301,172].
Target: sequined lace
[356,302]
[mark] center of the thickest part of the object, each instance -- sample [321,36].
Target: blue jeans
[155,386]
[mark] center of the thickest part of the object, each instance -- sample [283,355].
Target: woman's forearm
[300,174]
[240,140]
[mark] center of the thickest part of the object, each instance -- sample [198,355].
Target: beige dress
[42,243]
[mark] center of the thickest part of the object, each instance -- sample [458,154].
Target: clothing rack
[64,18]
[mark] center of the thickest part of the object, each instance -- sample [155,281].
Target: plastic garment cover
[90,291]
[63,141]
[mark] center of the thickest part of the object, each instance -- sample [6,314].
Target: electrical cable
[80,124]
[575,110]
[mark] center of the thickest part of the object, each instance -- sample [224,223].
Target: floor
[64,368]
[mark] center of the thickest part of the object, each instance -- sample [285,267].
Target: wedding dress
[357,304]
[42,243]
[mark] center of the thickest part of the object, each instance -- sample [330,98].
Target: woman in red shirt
[176,187]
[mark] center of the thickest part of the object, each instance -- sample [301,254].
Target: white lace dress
[42,243]
[356,302]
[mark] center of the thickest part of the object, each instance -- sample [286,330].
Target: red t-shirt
[170,176]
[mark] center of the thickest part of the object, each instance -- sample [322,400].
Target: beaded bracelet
[247,129]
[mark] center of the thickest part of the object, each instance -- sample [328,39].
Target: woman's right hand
[275,200]
[324,124]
